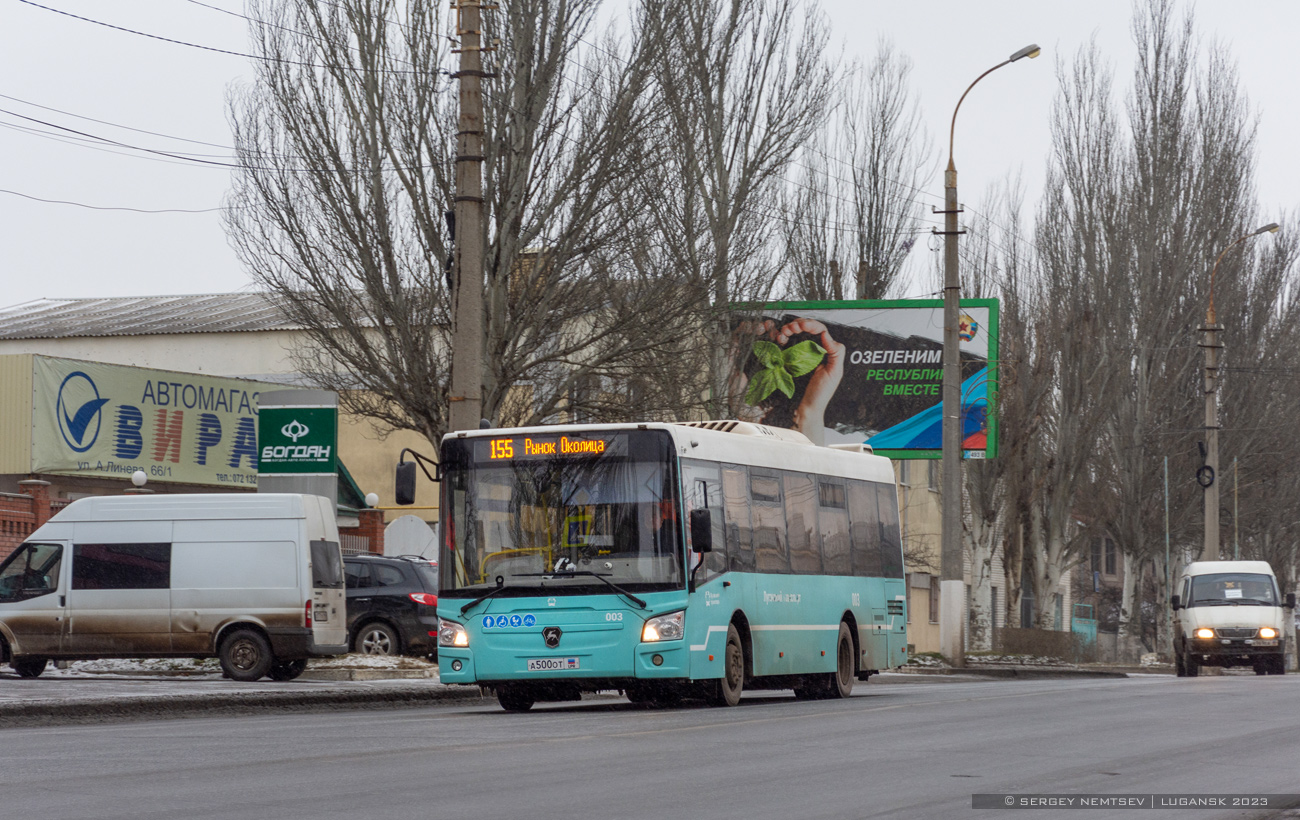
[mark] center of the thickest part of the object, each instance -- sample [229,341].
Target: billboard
[867,371]
[107,421]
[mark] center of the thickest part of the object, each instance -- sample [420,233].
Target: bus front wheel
[732,683]
[515,698]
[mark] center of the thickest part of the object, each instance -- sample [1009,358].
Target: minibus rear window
[326,565]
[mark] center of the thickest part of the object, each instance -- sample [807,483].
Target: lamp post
[952,586]
[1208,475]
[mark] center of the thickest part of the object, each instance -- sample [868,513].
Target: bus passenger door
[715,596]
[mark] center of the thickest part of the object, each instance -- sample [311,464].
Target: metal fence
[354,544]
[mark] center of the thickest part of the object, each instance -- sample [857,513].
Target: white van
[255,580]
[1229,613]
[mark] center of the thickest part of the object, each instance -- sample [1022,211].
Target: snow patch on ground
[931,660]
[210,667]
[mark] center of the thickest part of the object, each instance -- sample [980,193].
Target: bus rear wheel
[841,683]
[732,684]
[837,684]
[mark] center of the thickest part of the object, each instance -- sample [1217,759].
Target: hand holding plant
[781,367]
[825,361]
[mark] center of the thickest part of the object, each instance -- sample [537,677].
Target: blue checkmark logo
[79,410]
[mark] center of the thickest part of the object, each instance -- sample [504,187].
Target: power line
[114,208]
[84,143]
[108,141]
[182,157]
[113,124]
[200,46]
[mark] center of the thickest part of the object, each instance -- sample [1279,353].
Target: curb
[370,674]
[1017,672]
[167,707]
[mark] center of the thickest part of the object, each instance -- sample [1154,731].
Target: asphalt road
[892,750]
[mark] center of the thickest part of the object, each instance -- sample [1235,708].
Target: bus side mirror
[701,531]
[404,483]
[1175,602]
[1290,600]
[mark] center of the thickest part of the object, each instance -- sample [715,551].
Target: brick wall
[372,529]
[21,513]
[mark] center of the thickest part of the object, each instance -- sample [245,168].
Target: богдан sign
[298,440]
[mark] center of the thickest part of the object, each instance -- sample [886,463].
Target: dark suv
[392,605]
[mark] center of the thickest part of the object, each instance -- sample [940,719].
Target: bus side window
[891,539]
[864,529]
[735,499]
[833,520]
[769,523]
[801,523]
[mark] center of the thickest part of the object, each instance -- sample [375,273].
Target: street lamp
[952,587]
[1207,476]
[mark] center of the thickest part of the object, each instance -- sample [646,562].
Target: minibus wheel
[245,655]
[287,670]
[29,667]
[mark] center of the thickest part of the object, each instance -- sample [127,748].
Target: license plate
[322,615]
[1262,643]
[551,664]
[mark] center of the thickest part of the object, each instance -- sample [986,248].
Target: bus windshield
[534,512]
[1225,588]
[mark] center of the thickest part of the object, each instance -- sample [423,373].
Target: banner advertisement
[107,421]
[867,371]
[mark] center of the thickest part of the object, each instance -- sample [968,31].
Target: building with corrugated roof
[234,335]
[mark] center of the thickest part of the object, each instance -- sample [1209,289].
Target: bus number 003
[613,616]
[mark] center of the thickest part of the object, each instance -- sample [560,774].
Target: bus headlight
[451,633]
[1204,632]
[664,627]
[1267,633]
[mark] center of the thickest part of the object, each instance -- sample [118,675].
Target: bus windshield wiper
[501,585]
[563,573]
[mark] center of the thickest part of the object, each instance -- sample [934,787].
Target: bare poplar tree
[744,84]
[1136,210]
[998,262]
[1069,376]
[346,137]
[852,212]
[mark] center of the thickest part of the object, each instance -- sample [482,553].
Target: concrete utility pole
[1208,474]
[467,267]
[952,584]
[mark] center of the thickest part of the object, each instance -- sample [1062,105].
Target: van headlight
[1267,633]
[664,627]
[451,633]
[1205,632]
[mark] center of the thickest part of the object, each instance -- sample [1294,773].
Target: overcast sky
[70,73]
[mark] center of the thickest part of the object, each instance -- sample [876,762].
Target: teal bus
[665,561]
